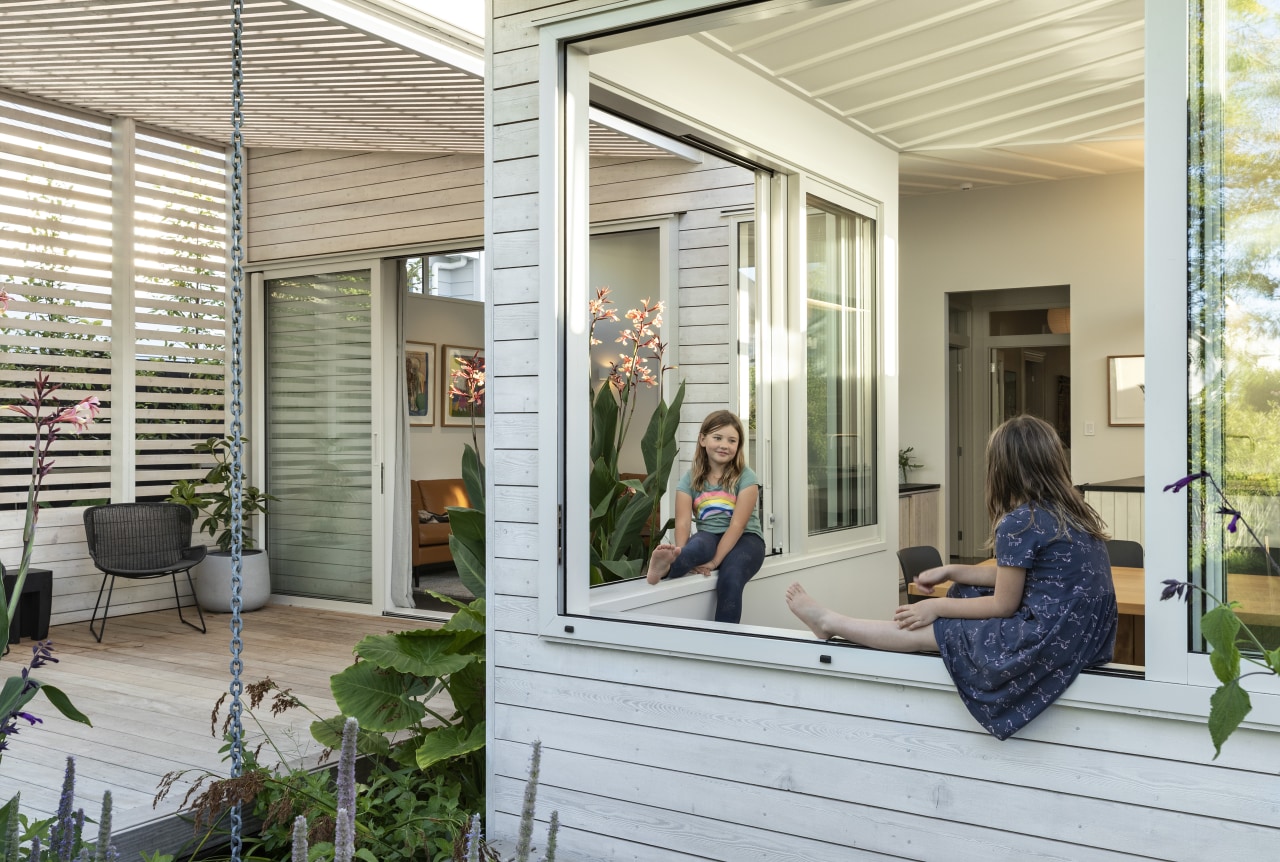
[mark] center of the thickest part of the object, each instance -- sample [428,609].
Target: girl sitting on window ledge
[1013,636]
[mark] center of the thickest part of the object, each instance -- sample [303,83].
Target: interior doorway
[1009,353]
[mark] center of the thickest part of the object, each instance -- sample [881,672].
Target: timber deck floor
[150,688]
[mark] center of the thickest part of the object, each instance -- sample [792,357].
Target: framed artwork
[1126,390]
[419,366]
[457,410]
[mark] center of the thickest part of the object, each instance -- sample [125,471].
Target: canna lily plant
[1225,631]
[42,409]
[621,508]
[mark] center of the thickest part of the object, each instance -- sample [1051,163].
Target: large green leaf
[659,441]
[1227,708]
[377,698]
[604,426]
[604,490]
[1220,627]
[63,703]
[449,742]
[473,477]
[469,618]
[466,689]
[328,732]
[14,695]
[628,526]
[622,569]
[424,652]
[467,544]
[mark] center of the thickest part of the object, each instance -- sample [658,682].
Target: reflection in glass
[1234,299]
[457,275]
[318,417]
[840,367]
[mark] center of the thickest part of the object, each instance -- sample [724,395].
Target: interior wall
[1085,233]
[435,451]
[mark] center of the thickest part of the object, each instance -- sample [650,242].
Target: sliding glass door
[319,425]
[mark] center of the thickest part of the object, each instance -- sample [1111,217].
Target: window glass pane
[1234,266]
[840,367]
[455,274]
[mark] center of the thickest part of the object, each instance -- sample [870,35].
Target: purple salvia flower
[35,847]
[300,848]
[347,781]
[60,835]
[344,846]
[1235,517]
[29,717]
[77,835]
[42,654]
[1185,481]
[1174,587]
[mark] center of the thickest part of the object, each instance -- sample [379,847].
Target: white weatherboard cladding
[650,755]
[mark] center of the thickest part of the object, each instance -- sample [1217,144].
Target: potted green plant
[210,498]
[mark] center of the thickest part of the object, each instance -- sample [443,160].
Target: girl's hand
[930,578]
[915,616]
[707,568]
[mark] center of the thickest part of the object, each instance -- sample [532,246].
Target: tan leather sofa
[431,540]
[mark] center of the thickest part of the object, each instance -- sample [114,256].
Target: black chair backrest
[1125,552]
[918,559]
[137,537]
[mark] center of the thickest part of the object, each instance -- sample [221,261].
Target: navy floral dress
[1009,670]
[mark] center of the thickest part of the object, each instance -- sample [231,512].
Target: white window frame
[1177,682]
[873,534]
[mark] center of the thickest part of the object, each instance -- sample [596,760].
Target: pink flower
[4,300]
[81,415]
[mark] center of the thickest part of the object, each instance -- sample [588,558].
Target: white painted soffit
[969,92]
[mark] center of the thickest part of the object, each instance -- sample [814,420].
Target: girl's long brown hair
[1026,464]
[701,467]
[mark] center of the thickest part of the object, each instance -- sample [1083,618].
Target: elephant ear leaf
[377,698]
[446,743]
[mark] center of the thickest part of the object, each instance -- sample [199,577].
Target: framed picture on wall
[1126,390]
[458,410]
[419,367]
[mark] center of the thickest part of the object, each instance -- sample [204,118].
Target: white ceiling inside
[984,92]
[971,92]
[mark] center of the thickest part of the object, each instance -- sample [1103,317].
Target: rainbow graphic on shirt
[714,502]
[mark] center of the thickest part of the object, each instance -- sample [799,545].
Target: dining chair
[915,560]
[1125,552]
[139,541]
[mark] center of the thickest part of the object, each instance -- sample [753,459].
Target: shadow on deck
[150,687]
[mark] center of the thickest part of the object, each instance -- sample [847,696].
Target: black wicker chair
[139,541]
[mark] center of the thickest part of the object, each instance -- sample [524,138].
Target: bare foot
[809,611]
[660,562]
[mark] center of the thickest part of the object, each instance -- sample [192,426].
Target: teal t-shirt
[713,506]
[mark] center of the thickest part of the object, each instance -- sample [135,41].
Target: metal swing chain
[237,361]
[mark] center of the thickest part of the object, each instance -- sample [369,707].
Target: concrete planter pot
[213,581]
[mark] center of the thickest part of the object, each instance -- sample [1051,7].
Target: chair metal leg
[98,634]
[178,599]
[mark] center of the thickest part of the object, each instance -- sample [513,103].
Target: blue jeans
[738,567]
